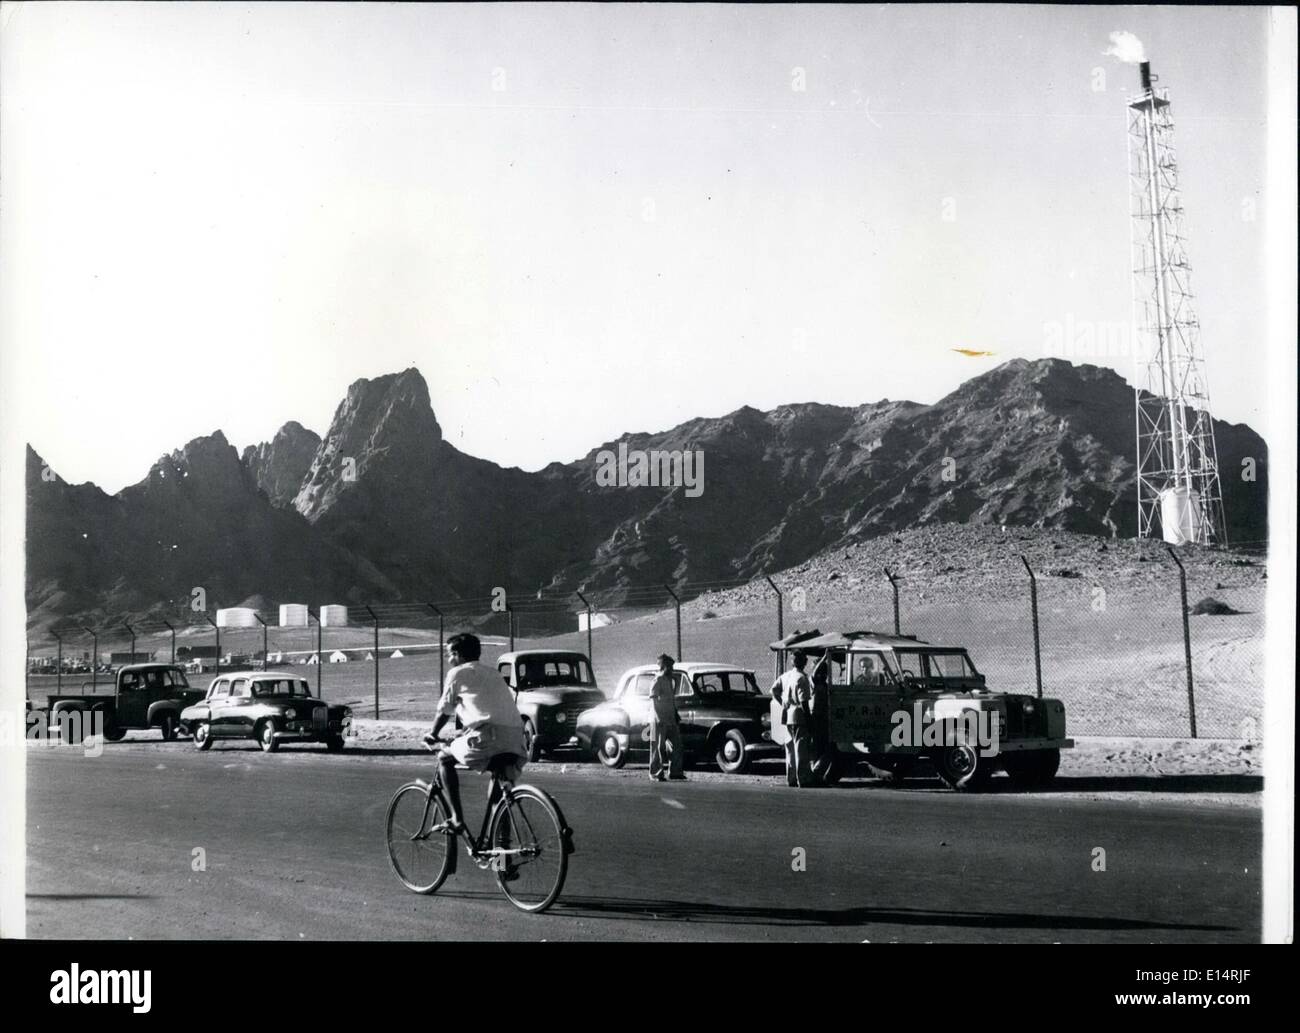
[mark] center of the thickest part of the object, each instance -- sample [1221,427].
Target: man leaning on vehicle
[794,692]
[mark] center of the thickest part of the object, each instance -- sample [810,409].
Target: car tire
[531,744]
[112,732]
[961,767]
[1032,769]
[609,750]
[167,725]
[71,731]
[266,736]
[334,744]
[202,736]
[731,756]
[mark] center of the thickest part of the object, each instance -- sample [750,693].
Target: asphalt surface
[292,844]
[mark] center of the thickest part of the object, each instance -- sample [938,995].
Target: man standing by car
[794,692]
[664,731]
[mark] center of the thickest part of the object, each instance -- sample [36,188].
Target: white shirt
[479,696]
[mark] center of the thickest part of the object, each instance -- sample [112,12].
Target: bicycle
[523,839]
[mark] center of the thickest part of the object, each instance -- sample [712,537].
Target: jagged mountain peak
[383,424]
[279,466]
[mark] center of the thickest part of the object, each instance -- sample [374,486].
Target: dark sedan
[724,717]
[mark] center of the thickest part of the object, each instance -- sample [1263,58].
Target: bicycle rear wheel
[422,860]
[531,869]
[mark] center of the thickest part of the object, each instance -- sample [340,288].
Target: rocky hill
[382,507]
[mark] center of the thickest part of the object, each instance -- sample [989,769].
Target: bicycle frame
[474,847]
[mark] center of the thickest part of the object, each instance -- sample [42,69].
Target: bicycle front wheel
[529,857]
[421,859]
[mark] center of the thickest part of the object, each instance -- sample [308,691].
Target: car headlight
[1029,706]
[291,713]
[766,720]
[561,717]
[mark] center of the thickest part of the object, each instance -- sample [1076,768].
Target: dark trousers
[665,735]
[798,756]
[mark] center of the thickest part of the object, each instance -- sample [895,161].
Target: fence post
[510,620]
[376,654]
[441,652]
[1033,605]
[319,660]
[677,607]
[59,672]
[173,631]
[588,606]
[258,617]
[780,618]
[893,583]
[216,671]
[94,657]
[1187,637]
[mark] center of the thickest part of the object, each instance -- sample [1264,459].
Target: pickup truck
[551,688]
[142,696]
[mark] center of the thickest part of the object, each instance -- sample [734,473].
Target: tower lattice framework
[1179,495]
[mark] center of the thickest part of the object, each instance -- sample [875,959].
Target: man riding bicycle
[491,725]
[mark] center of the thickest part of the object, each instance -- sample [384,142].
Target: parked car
[724,717]
[270,706]
[551,688]
[894,700]
[140,696]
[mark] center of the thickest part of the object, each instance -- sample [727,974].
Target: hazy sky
[584,220]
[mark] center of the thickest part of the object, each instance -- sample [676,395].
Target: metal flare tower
[1179,497]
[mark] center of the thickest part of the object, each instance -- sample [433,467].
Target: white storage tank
[293,615]
[1180,515]
[333,616]
[237,617]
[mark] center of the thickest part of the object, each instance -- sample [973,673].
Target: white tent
[396,654]
[370,656]
[338,657]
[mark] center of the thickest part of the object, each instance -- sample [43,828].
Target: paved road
[293,848]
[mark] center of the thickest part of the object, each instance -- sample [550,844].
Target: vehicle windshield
[935,665]
[540,672]
[280,687]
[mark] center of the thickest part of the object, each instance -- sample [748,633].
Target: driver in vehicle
[868,672]
[490,722]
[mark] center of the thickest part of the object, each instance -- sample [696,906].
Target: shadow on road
[89,896]
[683,911]
[1148,784]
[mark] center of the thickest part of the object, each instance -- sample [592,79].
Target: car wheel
[961,767]
[71,726]
[266,737]
[202,740]
[334,744]
[1033,768]
[732,758]
[610,750]
[112,732]
[168,727]
[533,747]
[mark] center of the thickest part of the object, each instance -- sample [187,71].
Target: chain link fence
[1113,648]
